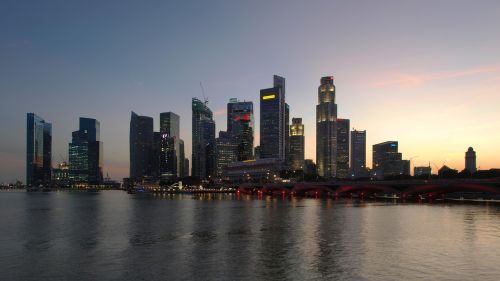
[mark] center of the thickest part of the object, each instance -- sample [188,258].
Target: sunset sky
[425,73]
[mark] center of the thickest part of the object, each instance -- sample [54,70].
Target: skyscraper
[180,158]
[272,120]
[38,151]
[142,152]
[358,154]
[326,129]
[170,124]
[342,148]
[203,140]
[240,125]
[85,153]
[226,151]
[387,161]
[470,160]
[296,156]
[287,133]
[167,163]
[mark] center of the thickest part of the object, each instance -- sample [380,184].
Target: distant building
[168,164]
[296,157]
[342,148]
[142,162]
[240,124]
[38,151]
[203,140]
[170,124]
[358,154]
[262,170]
[309,167]
[470,160]
[447,172]
[405,167]
[272,120]
[326,129]
[387,161]
[181,155]
[85,153]
[186,167]
[287,134]
[257,152]
[226,152]
[422,171]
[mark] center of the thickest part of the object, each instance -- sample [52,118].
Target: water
[116,236]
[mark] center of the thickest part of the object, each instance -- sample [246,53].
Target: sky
[425,73]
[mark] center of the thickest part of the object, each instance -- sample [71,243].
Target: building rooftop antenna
[203,93]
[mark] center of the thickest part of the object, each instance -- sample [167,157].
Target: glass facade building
[203,140]
[142,160]
[226,151]
[387,161]
[85,153]
[296,156]
[272,120]
[170,124]
[358,154]
[38,151]
[326,129]
[343,148]
[240,125]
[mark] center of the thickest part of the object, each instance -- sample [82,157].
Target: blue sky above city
[425,73]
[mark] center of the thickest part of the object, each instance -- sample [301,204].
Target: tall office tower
[85,153]
[272,120]
[358,154]
[38,151]
[180,158]
[287,133]
[342,148]
[387,161]
[240,124]
[226,152]
[203,140]
[326,129]
[170,124]
[186,167]
[297,144]
[470,160]
[142,152]
[168,165]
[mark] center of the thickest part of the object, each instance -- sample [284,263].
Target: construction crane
[203,93]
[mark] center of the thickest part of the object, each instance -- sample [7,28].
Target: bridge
[405,189]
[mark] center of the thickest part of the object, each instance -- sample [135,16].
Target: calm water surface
[116,236]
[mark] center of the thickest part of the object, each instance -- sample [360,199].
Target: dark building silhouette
[470,160]
[343,148]
[358,154]
[272,120]
[287,134]
[387,161]
[85,153]
[38,151]
[240,124]
[143,152]
[180,159]
[203,143]
[310,167]
[168,165]
[422,171]
[296,156]
[186,167]
[326,129]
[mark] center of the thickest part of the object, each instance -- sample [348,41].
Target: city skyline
[436,101]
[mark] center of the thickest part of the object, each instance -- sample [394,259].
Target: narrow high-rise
[203,140]
[296,156]
[358,154]
[240,125]
[85,153]
[326,129]
[142,152]
[342,148]
[272,120]
[470,160]
[38,151]
[170,125]
[226,152]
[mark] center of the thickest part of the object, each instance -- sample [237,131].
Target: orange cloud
[412,80]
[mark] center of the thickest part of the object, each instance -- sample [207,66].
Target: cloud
[220,112]
[413,80]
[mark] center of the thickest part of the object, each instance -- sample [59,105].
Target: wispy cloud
[413,80]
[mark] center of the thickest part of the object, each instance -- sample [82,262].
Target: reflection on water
[116,236]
